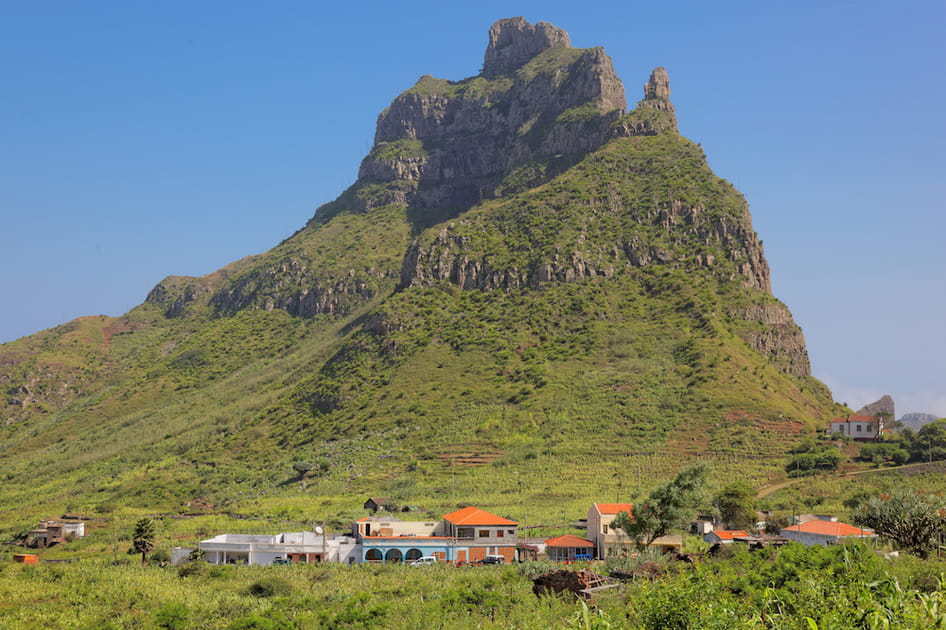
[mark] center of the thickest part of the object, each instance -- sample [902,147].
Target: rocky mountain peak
[447,145]
[883,406]
[513,42]
[657,93]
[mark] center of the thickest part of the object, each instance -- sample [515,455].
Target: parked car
[423,562]
[282,561]
[494,560]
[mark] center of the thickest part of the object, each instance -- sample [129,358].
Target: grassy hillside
[431,393]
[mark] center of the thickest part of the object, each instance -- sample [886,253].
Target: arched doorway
[373,555]
[393,556]
[413,554]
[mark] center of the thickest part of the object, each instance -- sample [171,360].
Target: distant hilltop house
[865,428]
[824,532]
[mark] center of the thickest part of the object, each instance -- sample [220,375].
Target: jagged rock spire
[513,42]
[657,93]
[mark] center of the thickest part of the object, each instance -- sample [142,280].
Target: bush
[273,621]
[268,587]
[823,458]
[192,568]
[172,615]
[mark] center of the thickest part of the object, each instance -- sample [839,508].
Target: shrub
[172,615]
[273,621]
[270,586]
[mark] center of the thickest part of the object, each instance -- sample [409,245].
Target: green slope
[432,393]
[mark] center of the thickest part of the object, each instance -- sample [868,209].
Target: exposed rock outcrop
[883,406]
[657,92]
[294,288]
[916,420]
[447,256]
[777,337]
[536,99]
[513,42]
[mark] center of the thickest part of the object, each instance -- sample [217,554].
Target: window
[858,428]
[499,533]
[604,529]
[512,532]
[465,532]
[484,533]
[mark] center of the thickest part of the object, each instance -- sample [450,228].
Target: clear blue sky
[142,139]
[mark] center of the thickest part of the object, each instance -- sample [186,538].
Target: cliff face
[451,144]
[624,191]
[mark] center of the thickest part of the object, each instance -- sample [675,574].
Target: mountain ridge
[521,268]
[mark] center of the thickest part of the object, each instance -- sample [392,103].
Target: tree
[142,541]
[668,506]
[304,469]
[930,442]
[736,504]
[915,521]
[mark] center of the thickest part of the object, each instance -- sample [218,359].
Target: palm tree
[143,539]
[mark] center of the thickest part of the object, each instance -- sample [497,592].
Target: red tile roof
[855,418]
[475,516]
[568,540]
[728,534]
[827,528]
[613,508]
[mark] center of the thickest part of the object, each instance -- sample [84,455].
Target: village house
[864,428]
[724,536]
[296,547]
[822,532]
[52,532]
[610,541]
[377,504]
[569,548]
[467,535]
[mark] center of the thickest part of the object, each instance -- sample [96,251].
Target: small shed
[26,558]
[724,536]
[377,504]
[569,548]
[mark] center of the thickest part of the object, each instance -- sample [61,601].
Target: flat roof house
[263,549]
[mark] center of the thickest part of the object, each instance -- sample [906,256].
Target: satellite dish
[318,530]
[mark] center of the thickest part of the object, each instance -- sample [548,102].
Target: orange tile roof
[827,528]
[728,534]
[856,418]
[613,508]
[475,516]
[568,540]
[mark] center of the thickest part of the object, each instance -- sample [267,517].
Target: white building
[303,547]
[859,427]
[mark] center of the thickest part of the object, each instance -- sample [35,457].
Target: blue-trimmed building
[467,535]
